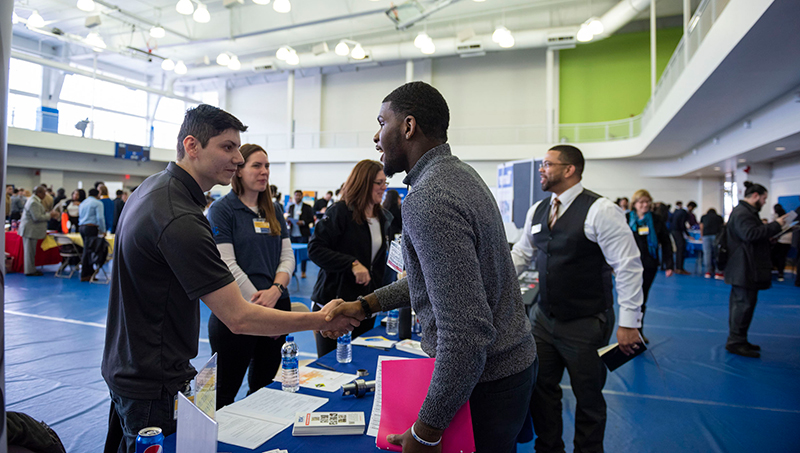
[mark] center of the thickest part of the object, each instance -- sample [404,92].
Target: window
[209,97]
[69,115]
[82,89]
[165,135]
[170,110]
[25,76]
[22,111]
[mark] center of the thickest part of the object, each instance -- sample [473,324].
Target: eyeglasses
[384,183]
[546,165]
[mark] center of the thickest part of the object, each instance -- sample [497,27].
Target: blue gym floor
[690,395]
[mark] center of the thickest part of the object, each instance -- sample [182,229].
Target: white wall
[785,179]
[21,177]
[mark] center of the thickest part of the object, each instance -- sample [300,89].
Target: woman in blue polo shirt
[253,241]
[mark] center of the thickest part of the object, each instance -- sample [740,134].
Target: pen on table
[377,347]
[325,366]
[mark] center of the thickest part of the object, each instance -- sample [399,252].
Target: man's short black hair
[298,191]
[679,203]
[94,192]
[572,156]
[330,192]
[206,121]
[691,205]
[425,104]
[119,193]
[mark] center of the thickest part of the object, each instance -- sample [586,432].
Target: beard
[758,205]
[548,183]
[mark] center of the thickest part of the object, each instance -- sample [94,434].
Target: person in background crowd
[677,225]
[649,230]
[780,249]
[711,225]
[273,189]
[72,208]
[350,243]
[392,204]
[579,238]
[323,203]
[300,217]
[92,222]
[623,203]
[9,193]
[108,207]
[47,200]
[17,204]
[32,228]
[119,203]
[61,194]
[690,214]
[253,241]
[749,267]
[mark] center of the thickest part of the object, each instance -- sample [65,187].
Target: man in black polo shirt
[579,237]
[165,259]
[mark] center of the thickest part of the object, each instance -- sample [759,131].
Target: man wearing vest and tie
[581,238]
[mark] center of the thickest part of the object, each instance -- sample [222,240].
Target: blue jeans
[709,253]
[135,414]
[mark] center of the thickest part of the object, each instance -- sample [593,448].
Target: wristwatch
[365,306]
[280,287]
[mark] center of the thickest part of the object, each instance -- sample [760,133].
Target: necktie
[554,212]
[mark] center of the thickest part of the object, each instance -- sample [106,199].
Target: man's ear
[411,127]
[190,144]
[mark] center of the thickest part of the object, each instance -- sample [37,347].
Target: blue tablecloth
[363,357]
[300,252]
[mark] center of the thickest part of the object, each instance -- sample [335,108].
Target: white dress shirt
[605,225]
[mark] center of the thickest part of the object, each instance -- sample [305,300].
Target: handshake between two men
[337,312]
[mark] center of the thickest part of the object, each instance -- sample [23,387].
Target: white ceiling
[253,31]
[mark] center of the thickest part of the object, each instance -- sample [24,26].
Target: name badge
[644,230]
[261,226]
[395,260]
[536,228]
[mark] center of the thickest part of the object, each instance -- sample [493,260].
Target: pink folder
[404,387]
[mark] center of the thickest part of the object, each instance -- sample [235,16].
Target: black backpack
[721,247]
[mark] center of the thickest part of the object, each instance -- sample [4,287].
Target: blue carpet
[686,394]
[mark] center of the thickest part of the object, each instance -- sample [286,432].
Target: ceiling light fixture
[201,14]
[86,5]
[584,34]
[223,59]
[341,49]
[282,6]
[180,68]
[358,52]
[261,2]
[502,36]
[158,32]
[293,59]
[421,40]
[96,41]
[234,64]
[14,18]
[428,48]
[283,53]
[185,7]
[780,148]
[168,65]
[35,20]
[595,26]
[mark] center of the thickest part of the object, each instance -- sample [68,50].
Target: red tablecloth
[14,248]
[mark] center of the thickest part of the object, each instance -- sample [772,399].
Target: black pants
[779,253]
[238,353]
[300,240]
[648,276]
[326,345]
[499,409]
[680,249]
[742,306]
[87,232]
[572,345]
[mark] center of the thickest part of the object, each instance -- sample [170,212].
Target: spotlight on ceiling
[293,59]
[185,7]
[168,65]
[234,64]
[595,26]
[158,32]
[282,6]
[358,52]
[86,5]
[201,14]
[283,53]
[180,68]
[584,34]
[421,40]
[223,59]
[261,2]
[35,20]
[341,49]
[96,41]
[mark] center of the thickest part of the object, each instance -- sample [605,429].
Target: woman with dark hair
[391,203]
[253,241]
[749,267]
[71,208]
[649,230]
[780,249]
[349,244]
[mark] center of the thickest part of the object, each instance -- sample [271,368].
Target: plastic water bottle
[391,323]
[344,350]
[291,374]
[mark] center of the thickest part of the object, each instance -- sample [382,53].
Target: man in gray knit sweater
[461,281]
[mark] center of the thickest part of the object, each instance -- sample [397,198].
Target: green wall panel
[610,79]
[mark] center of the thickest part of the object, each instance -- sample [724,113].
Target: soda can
[150,440]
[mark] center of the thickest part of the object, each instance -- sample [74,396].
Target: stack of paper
[317,379]
[374,342]
[411,346]
[328,424]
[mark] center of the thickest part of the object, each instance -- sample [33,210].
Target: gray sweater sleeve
[445,244]
[394,296]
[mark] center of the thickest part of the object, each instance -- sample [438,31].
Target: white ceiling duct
[614,19]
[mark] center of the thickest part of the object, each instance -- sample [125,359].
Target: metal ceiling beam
[142,19]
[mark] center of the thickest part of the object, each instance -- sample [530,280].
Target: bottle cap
[289,338]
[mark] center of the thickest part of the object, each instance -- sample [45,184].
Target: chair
[99,256]
[70,255]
